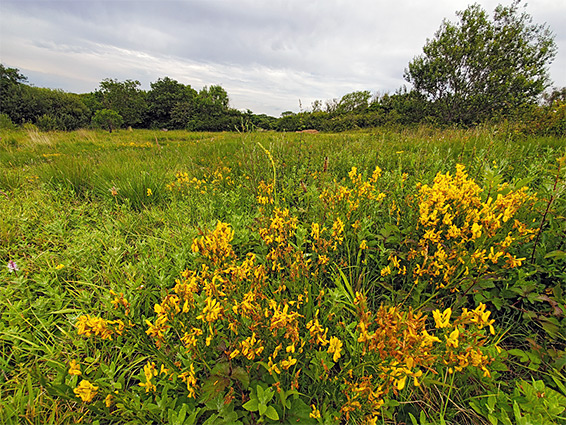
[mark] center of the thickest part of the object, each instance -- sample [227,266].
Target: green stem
[274,172]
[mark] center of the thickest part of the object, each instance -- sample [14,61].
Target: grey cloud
[267,54]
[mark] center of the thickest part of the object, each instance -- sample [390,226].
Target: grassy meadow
[408,276]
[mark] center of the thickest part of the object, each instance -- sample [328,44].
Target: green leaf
[242,376]
[260,393]
[262,408]
[550,326]
[222,369]
[300,410]
[413,419]
[519,353]
[492,419]
[271,413]
[213,386]
[560,255]
[252,405]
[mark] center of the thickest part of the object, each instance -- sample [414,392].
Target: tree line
[169,104]
[480,69]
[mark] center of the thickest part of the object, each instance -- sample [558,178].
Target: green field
[386,276]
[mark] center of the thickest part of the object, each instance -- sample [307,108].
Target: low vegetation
[412,276]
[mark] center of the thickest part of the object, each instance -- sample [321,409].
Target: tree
[124,97]
[354,102]
[480,68]
[108,119]
[170,104]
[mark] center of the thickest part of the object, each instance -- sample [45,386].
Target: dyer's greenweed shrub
[258,337]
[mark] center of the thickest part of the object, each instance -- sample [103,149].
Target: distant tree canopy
[170,103]
[479,68]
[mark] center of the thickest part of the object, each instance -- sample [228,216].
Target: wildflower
[400,383]
[315,413]
[513,261]
[364,245]
[287,363]
[149,372]
[113,191]
[335,347]
[88,325]
[12,266]
[428,339]
[452,341]
[149,192]
[109,400]
[163,370]
[476,230]
[480,317]
[59,267]
[191,381]
[86,391]
[211,311]
[442,320]
[74,368]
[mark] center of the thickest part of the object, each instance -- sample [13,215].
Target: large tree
[479,67]
[124,97]
[170,103]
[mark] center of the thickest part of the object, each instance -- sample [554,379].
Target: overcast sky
[270,56]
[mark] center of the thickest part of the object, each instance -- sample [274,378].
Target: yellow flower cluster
[255,314]
[350,197]
[217,246]
[149,372]
[463,342]
[88,325]
[265,193]
[460,233]
[276,232]
[119,300]
[399,346]
[86,391]
[212,182]
[228,306]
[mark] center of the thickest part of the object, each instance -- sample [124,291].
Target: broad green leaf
[271,413]
[252,405]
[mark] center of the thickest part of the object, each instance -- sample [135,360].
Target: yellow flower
[476,230]
[149,192]
[149,372]
[428,339]
[109,400]
[364,245]
[59,267]
[211,311]
[442,320]
[315,413]
[74,368]
[335,347]
[191,381]
[86,391]
[452,341]
[400,383]
[513,261]
[287,363]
